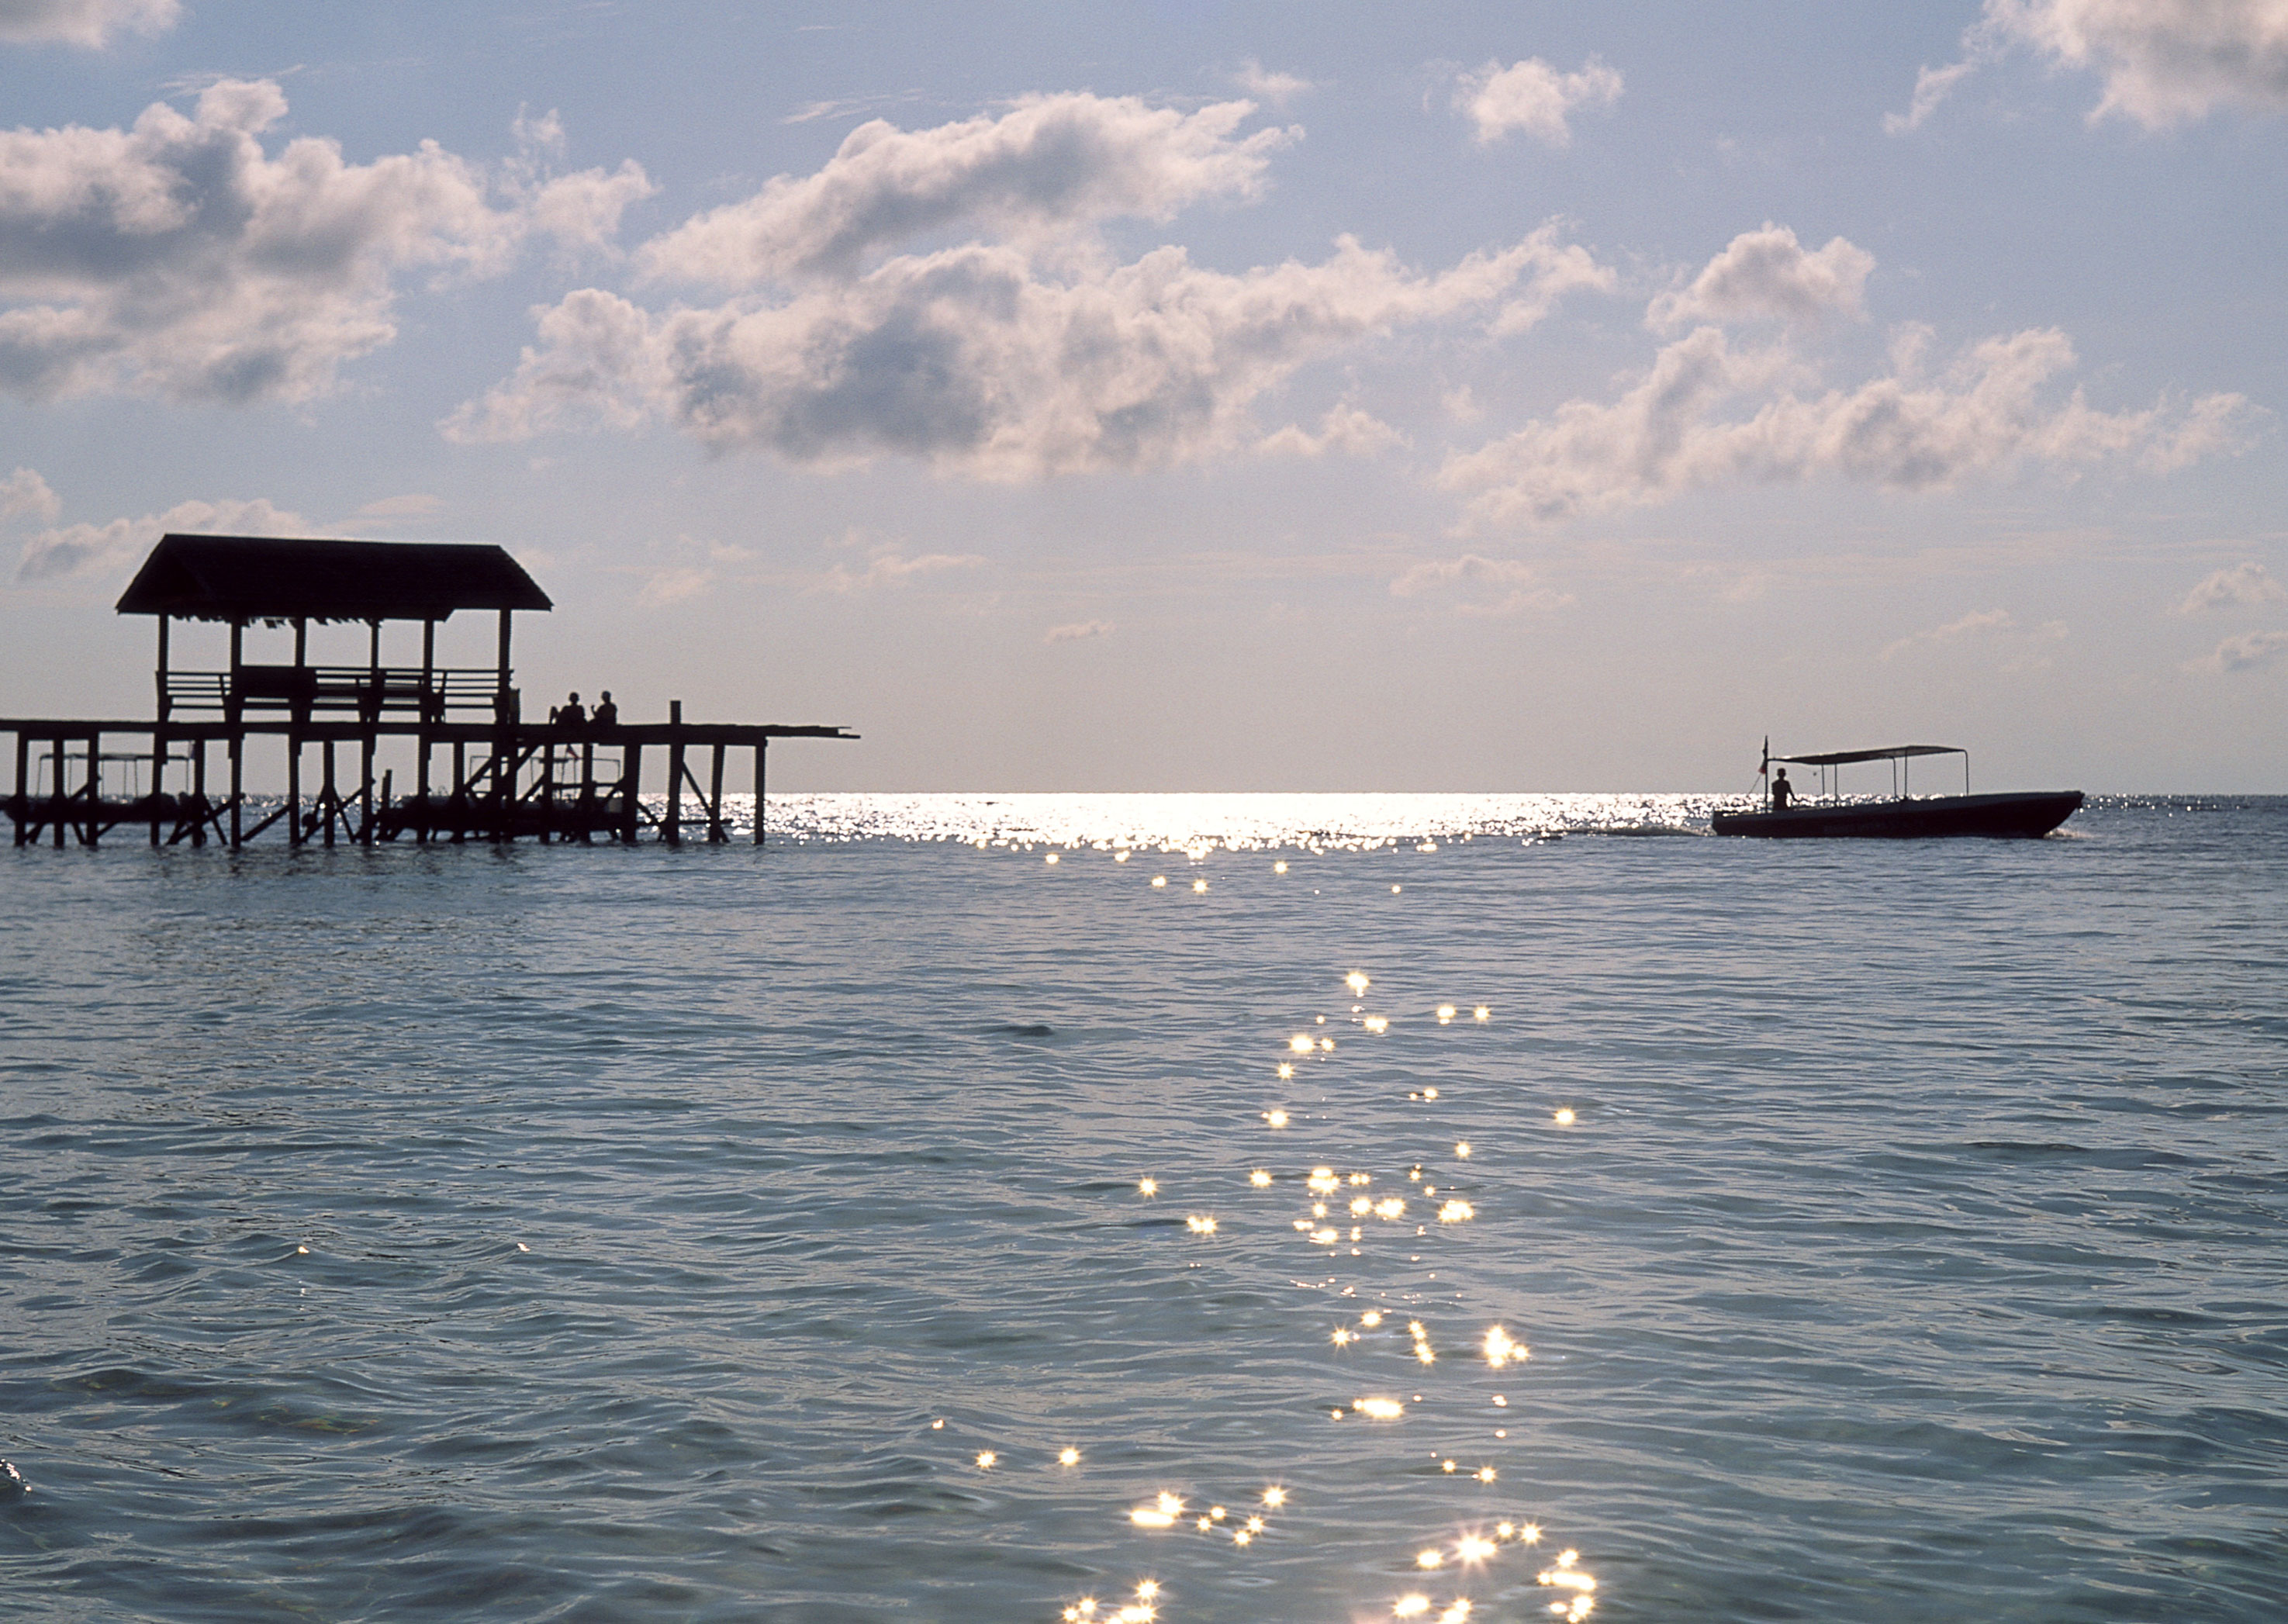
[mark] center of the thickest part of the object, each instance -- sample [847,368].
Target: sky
[1197,396]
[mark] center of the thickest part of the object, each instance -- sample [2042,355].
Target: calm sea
[1044,1208]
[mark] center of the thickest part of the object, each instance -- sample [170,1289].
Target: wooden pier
[480,771]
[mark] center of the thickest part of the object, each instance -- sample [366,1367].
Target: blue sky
[1200,396]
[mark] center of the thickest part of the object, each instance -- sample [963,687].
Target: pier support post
[23,789]
[587,792]
[237,712]
[716,833]
[200,811]
[159,732]
[504,721]
[631,788]
[369,715]
[673,831]
[547,788]
[293,787]
[365,791]
[762,752]
[56,791]
[329,800]
[158,775]
[433,709]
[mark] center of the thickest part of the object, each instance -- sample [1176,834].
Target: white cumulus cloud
[2163,62]
[84,22]
[974,358]
[1266,85]
[1534,97]
[1769,275]
[1051,163]
[1028,350]
[1706,415]
[25,492]
[2244,585]
[2250,652]
[180,258]
[1348,429]
[86,548]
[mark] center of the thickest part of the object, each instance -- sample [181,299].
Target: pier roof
[261,577]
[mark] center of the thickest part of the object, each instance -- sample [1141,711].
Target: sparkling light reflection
[1446,1417]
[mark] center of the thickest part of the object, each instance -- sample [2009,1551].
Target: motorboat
[1826,814]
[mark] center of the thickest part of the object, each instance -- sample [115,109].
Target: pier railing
[305,692]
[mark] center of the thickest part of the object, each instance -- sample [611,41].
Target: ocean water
[1846,1231]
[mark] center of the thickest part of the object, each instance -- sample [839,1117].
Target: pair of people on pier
[571,713]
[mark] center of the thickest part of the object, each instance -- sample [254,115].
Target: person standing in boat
[1783,792]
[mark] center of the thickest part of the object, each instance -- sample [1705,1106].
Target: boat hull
[2026,815]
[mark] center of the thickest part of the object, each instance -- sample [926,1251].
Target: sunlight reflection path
[1336,1213]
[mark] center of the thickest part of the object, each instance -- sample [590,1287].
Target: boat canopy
[1889,752]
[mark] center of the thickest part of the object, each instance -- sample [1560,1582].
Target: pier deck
[540,781]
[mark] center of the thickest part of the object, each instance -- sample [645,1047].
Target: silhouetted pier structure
[508,778]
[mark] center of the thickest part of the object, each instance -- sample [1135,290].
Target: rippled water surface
[538,1233]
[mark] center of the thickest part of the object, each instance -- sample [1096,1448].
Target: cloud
[1706,416]
[1488,586]
[674,584]
[178,257]
[2163,61]
[810,112]
[2250,652]
[1767,275]
[2243,585]
[2026,644]
[82,22]
[1051,163]
[25,492]
[1078,631]
[889,570]
[1559,268]
[1348,429]
[1035,354]
[1533,97]
[1933,85]
[977,361]
[414,504]
[1274,88]
[1976,622]
[85,548]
